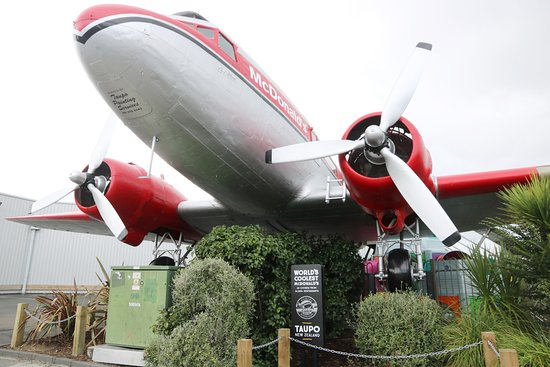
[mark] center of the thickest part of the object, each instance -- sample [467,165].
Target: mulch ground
[57,346]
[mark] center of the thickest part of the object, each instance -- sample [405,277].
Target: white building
[33,259]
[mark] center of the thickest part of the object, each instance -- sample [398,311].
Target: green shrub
[211,307]
[267,259]
[343,278]
[401,323]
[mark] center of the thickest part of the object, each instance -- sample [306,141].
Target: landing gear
[394,264]
[163,260]
[400,275]
[164,254]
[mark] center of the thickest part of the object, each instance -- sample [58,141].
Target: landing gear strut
[172,255]
[399,274]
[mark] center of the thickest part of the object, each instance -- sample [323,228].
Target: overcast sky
[483,102]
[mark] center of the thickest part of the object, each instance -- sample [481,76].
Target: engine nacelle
[370,185]
[145,204]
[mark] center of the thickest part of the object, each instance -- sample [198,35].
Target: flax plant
[98,308]
[55,313]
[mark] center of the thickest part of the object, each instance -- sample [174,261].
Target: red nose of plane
[98,12]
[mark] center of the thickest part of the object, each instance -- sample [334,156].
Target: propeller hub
[374,136]
[374,156]
[375,140]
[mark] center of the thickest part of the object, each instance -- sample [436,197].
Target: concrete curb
[30,356]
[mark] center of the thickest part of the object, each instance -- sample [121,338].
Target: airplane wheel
[163,260]
[399,270]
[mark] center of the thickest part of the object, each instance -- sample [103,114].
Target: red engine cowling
[145,204]
[370,185]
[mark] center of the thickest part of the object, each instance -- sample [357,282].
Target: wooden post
[79,338]
[491,359]
[244,353]
[509,358]
[283,351]
[19,325]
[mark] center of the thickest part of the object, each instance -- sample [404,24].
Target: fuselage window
[206,31]
[226,46]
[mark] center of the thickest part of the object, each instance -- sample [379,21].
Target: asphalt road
[8,308]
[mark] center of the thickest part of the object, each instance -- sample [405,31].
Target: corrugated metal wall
[56,257]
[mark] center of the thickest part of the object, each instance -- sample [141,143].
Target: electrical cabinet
[137,295]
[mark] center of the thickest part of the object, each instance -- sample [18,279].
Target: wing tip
[424,45]
[452,239]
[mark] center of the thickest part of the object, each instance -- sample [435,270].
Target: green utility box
[136,297]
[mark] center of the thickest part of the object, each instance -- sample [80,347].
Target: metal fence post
[283,351]
[244,353]
[19,325]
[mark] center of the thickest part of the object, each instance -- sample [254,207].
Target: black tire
[371,284]
[163,260]
[399,270]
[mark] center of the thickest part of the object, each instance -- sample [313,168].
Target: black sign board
[308,321]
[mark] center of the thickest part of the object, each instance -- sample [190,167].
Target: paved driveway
[8,308]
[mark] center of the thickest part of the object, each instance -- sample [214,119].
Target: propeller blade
[52,198]
[405,86]
[108,213]
[103,143]
[420,199]
[311,150]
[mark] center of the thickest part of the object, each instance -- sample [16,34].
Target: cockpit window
[226,46]
[191,14]
[206,31]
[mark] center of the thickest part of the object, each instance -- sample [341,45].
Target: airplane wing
[467,198]
[77,222]
[470,198]
[309,214]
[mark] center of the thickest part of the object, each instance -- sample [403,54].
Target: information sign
[307,303]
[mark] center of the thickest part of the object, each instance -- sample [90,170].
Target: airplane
[189,91]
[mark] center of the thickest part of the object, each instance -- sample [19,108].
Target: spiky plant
[498,287]
[525,231]
[97,308]
[55,312]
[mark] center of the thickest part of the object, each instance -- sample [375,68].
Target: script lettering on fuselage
[276,97]
[124,103]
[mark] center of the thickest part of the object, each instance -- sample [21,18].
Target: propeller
[379,149]
[96,184]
